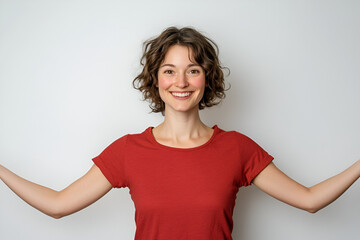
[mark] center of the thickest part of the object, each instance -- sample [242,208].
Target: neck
[182,125]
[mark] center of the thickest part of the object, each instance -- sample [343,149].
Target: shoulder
[134,136]
[236,140]
[233,135]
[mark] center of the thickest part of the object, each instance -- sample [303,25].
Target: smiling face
[181,81]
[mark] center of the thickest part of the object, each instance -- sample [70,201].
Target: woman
[183,176]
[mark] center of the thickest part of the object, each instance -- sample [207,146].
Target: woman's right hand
[80,194]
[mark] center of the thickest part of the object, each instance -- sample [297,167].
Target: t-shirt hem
[99,163]
[259,169]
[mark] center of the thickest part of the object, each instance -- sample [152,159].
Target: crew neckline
[152,138]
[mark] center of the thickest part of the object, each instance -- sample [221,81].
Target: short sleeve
[254,160]
[112,164]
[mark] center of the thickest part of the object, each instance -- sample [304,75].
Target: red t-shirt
[183,194]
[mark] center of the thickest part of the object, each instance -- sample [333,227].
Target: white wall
[65,93]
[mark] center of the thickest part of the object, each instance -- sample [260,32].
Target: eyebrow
[172,65]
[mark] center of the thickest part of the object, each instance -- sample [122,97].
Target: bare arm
[80,194]
[275,183]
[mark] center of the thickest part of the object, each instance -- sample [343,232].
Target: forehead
[178,53]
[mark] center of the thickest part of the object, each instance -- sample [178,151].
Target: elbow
[57,211]
[315,208]
[59,208]
[312,206]
[56,216]
[312,210]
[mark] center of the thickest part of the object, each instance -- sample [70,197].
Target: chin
[184,109]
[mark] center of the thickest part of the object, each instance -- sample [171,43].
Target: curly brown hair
[205,53]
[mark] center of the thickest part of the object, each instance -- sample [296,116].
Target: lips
[181,95]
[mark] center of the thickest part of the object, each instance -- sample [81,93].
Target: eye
[168,71]
[194,71]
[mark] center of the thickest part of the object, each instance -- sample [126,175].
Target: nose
[181,81]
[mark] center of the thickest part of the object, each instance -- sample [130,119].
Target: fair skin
[180,76]
[181,83]
[80,194]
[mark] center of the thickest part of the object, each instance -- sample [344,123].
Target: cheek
[164,83]
[199,82]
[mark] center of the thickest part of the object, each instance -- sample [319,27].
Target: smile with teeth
[181,94]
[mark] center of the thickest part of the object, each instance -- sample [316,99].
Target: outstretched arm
[275,183]
[80,194]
